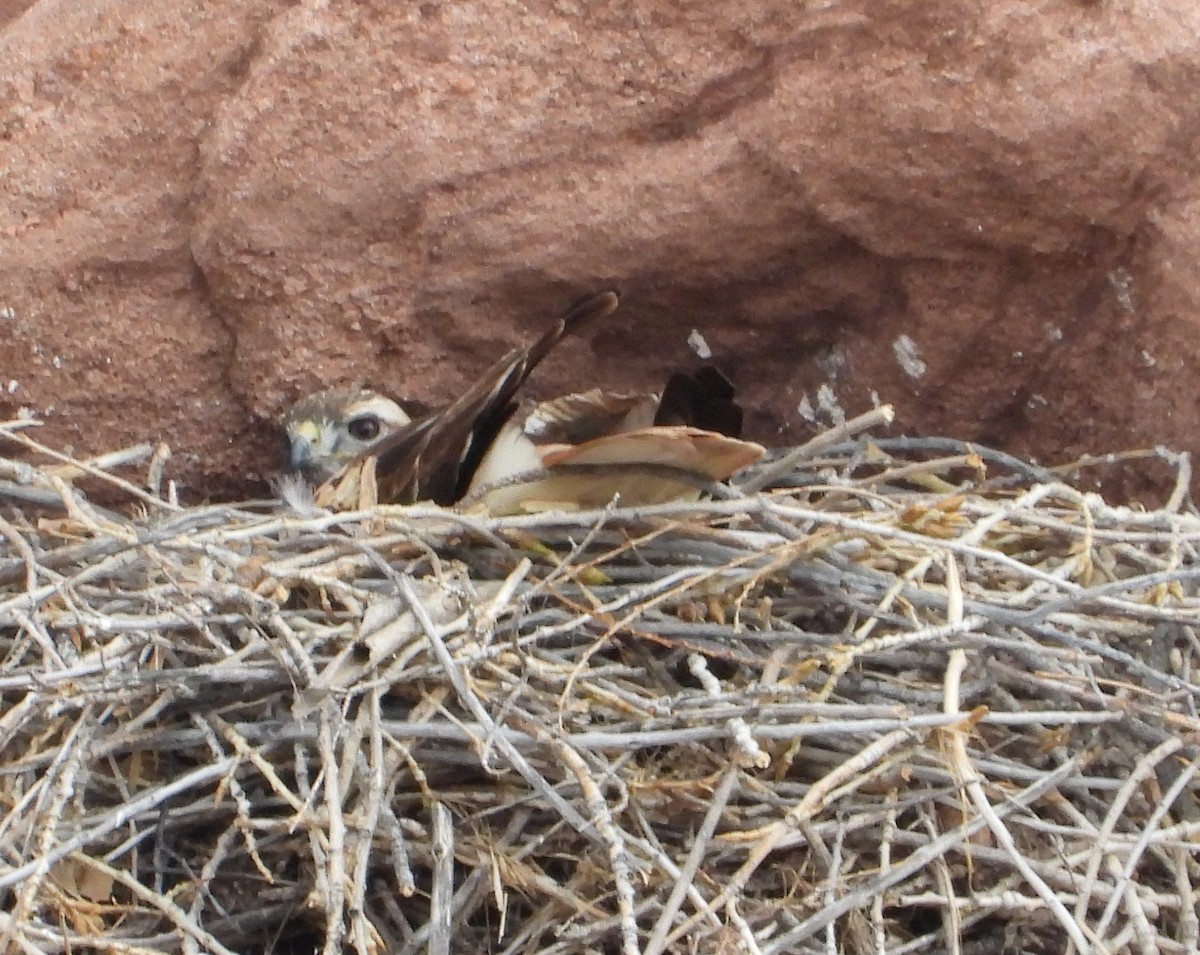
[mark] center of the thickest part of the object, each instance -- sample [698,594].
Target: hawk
[485,451]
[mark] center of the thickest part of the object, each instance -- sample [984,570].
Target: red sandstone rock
[987,215]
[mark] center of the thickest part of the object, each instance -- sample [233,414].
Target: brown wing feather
[646,466]
[701,399]
[433,457]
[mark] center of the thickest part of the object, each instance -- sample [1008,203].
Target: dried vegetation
[914,696]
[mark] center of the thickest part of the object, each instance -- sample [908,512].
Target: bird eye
[364,428]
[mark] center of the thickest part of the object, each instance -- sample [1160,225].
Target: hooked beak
[300,453]
[301,450]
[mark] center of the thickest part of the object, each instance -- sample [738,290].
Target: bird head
[328,430]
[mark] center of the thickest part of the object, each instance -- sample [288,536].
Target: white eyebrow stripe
[383,408]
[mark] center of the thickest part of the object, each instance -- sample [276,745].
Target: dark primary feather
[702,399]
[434,457]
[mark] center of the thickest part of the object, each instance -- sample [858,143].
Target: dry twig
[895,680]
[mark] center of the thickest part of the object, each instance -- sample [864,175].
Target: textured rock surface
[988,215]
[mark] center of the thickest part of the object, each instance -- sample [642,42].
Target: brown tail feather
[433,457]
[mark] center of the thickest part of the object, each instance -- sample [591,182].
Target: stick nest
[914,696]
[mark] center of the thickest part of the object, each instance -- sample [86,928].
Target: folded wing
[434,457]
[648,466]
